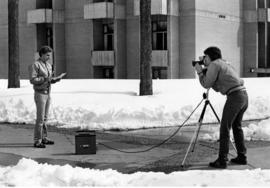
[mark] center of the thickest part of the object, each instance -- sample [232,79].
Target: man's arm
[208,78]
[33,75]
[58,78]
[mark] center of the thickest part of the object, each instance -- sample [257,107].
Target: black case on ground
[85,142]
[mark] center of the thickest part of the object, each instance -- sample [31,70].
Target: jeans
[42,105]
[233,111]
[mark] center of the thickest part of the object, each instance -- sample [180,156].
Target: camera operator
[219,75]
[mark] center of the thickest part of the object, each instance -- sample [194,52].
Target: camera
[201,62]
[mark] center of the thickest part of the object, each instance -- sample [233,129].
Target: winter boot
[39,145]
[240,159]
[47,141]
[219,163]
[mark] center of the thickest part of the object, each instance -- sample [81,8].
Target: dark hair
[44,50]
[213,52]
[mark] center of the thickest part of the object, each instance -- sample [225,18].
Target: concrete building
[100,38]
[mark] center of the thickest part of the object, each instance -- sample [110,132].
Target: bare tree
[145,48]
[13,44]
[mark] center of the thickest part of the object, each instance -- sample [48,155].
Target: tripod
[199,124]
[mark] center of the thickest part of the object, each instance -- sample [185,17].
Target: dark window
[103,72]
[98,1]
[107,72]
[159,72]
[159,35]
[44,35]
[49,36]
[268,46]
[261,4]
[108,36]
[44,4]
[263,75]
[261,45]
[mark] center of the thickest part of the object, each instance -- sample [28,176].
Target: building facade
[101,38]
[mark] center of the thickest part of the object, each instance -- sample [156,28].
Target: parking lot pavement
[16,142]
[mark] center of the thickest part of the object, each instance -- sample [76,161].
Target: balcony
[39,16]
[159,58]
[45,16]
[260,70]
[103,58]
[158,7]
[263,15]
[99,10]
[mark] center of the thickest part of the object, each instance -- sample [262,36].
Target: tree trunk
[13,45]
[145,48]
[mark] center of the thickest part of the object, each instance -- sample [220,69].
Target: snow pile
[29,173]
[115,104]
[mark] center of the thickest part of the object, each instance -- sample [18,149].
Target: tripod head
[205,94]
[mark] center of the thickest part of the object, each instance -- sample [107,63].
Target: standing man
[222,77]
[41,76]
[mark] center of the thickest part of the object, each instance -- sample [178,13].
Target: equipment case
[85,141]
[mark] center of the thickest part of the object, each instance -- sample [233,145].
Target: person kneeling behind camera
[221,76]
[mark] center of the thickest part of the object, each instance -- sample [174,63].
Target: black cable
[161,143]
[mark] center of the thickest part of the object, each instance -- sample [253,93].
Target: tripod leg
[199,125]
[219,123]
[190,144]
[195,135]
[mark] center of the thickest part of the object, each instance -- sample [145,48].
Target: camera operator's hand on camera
[198,68]
[201,58]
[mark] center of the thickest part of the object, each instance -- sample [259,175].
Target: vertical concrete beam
[3,39]
[132,42]
[120,49]
[79,40]
[187,38]
[27,38]
[120,69]
[173,35]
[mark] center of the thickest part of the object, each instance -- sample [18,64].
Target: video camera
[201,62]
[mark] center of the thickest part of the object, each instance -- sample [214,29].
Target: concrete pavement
[16,141]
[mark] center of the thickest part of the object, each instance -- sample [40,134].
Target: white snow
[108,104]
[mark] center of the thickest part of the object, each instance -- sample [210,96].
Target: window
[263,38]
[261,45]
[159,72]
[49,36]
[261,4]
[44,4]
[108,36]
[159,35]
[103,72]
[98,1]
[44,35]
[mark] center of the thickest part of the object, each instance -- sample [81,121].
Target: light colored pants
[42,105]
